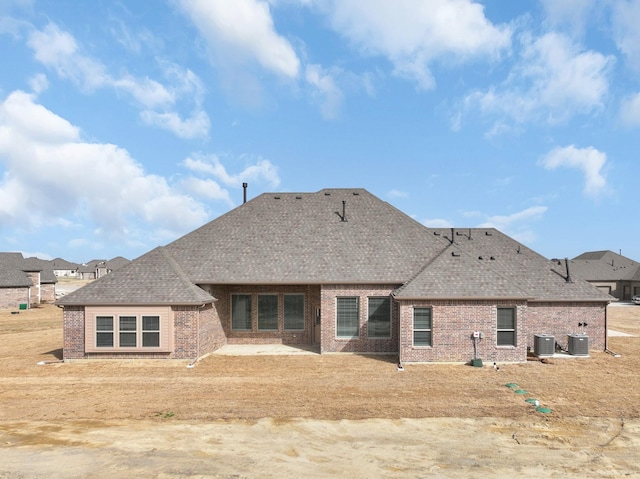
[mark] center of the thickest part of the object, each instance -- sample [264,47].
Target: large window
[128,330]
[267,312]
[506,327]
[347,317]
[294,312]
[422,334]
[104,331]
[379,320]
[241,312]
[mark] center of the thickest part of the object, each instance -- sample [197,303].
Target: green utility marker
[520,391]
[544,410]
[511,385]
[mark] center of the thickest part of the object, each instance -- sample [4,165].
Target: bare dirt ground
[313,416]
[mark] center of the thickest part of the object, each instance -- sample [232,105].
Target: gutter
[606,333]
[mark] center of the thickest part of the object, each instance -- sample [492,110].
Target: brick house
[339,269]
[24,281]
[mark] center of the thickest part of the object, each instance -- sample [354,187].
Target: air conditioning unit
[544,345]
[579,345]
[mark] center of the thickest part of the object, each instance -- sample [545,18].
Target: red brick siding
[185,332]
[331,343]
[13,297]
[561,320]
[73,332]
[47,293]
[453,323]
[34,295]
[223,309]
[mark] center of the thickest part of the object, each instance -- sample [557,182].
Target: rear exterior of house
[338,269]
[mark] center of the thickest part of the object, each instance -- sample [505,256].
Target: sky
[127,124]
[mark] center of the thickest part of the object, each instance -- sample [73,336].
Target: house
[24,282]
[339,269]
[63,268]
[612,273]
[97,268]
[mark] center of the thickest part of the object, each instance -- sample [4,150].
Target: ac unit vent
[579,345]
[544,345]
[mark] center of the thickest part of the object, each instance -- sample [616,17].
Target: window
[268,312]
[241,312]
[506,327]
[150,331]
[294,312]
[379,321]
[422,327]
[127,327]
[104,331]
[347,317]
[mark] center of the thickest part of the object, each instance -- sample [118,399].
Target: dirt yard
[311,415]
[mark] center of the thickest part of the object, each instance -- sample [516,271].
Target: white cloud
[59,50]
[413,34]
[571,13]
[589,160]
[242,31]
[437,223]
[553,80]
[52,176]
[507,222]
[330,95]
[263,171]
[630,110]
[397,194]
[625,20]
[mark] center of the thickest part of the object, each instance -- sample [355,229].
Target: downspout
[195,361]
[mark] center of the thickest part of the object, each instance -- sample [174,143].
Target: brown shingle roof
[311,238]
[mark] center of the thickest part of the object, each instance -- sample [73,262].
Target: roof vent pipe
[568,278]
[244,195]
[344,211]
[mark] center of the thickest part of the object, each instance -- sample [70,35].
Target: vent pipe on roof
[343,216]
[568,278]
[244,196]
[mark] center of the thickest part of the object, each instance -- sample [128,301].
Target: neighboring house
[22,283]
[340,269]
[47,289]
[63,268]
[97,268]
[612,273]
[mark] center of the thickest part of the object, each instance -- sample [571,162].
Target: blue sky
[126,124]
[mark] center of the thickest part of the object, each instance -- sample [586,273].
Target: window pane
[151,323]
[379,325]
[241,312]
[104,340]
[506,318]
[104,323]
[127,340]
[268,312]
[127,323]
[150,340]
[506,338]
[422,318]
[294,311]
[422,338]
[347,317]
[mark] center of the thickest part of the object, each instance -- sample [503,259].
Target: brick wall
[47,293]
[73,333]
[562,319]
[34,295]
[223,310]
[453,323]
[210,332]
[185,332]
[363,344]
[12,298]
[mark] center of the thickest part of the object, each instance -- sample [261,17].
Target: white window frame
[357,312]
[509,330]
[423,330]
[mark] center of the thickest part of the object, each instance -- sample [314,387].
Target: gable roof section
[493,265]
[154,279]
[11,272]
[455,274]
[293,238]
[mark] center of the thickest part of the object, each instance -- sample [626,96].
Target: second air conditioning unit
[579,345]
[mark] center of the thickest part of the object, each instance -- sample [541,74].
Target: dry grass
[285,387]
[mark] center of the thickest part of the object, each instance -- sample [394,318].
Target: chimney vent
[244,196]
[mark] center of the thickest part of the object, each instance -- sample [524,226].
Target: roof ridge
[178,270]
